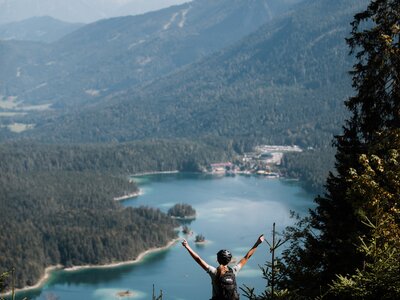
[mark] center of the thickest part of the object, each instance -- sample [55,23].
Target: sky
[82,11]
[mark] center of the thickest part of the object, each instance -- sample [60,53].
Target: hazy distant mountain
[286,83]
[135,7]
[41,29]
[77,11]
[141,6]
[119,53]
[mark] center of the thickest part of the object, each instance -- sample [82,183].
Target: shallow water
[231,213]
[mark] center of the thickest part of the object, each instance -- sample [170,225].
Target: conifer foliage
[375,191]
[361,204]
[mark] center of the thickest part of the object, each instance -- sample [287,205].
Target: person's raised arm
[244,260]
[195,256]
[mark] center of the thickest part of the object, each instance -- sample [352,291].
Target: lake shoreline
[124,263]
[154,173]
[42,281]
[129,196]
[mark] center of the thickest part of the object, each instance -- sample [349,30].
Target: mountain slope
[79,11]
[118,53]
[286,83]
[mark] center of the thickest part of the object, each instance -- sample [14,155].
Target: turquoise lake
[232,211]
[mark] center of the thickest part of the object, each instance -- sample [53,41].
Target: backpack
[227,289]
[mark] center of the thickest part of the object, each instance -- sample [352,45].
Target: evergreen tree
[325,246]
[377,185]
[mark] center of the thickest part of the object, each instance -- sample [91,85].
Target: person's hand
[260,239]
[184,243]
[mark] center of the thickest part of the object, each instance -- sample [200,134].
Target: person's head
[224,257]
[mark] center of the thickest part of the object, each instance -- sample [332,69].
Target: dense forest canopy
[182,210]
[70,218]
[124,158]
[57,202]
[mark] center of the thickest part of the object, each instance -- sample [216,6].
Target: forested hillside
[57,202]
[123,158]
[70,218]
[311,167]
[115,54]
[285,82]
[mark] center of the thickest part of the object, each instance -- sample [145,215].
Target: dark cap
[224,257]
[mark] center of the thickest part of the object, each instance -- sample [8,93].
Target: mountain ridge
[81,11]
[41,29]
[286,82]
[116,52]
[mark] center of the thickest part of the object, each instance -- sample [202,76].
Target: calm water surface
[231,213]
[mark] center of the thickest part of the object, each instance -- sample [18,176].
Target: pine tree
[376,190]
[325,246]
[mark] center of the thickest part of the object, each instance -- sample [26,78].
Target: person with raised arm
[223,278]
